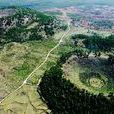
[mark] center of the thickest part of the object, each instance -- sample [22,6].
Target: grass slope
[19,58]
[37,51]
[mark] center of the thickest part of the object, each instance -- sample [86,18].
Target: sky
[54,3]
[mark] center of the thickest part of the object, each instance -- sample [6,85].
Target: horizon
[54,3]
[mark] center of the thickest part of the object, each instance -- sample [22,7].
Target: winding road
[31,74]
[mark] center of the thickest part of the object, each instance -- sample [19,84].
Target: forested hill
[24,24]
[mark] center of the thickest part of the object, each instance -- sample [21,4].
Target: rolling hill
[26,25]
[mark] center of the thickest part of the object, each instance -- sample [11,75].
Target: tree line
[63,97]
[94,44]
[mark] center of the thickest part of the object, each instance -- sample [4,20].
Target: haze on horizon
[54,3]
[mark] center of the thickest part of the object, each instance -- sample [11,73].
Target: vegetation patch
[63,97]
[93,79]
[28,25]
[96,82]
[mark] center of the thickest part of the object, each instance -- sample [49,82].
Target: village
[96,17]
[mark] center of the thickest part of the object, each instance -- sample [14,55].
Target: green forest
[62,96]
[27,25]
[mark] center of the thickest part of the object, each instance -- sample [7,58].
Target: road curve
[30,75]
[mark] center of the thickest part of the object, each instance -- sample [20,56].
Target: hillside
[82,81]
[26,25]
[27,37]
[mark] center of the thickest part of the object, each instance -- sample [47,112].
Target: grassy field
[18,103]
[25,101]
[17,62]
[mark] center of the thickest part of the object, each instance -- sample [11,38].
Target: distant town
[95,17]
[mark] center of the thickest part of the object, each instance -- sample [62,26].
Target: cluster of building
[94,17]
[98,17]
